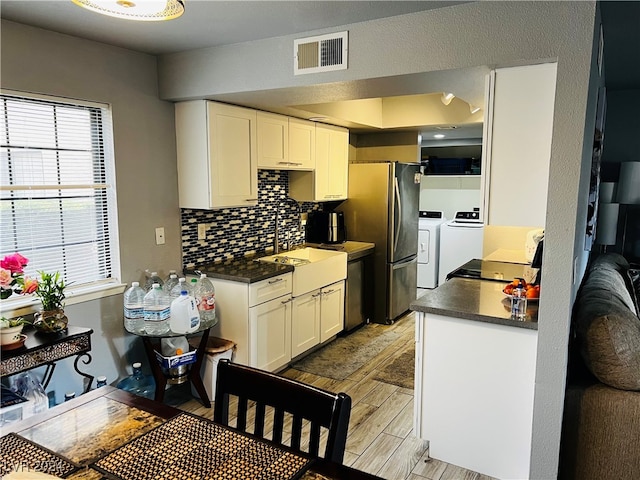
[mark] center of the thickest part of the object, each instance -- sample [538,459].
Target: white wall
[450,194]
[36,60]
[398,53]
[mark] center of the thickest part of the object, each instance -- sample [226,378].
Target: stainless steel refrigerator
[382,207]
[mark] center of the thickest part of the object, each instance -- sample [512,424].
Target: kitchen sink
[313,268]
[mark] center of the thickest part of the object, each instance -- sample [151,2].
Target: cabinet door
[331,310]
[332,162]
[520,144]
[273,141]
[302,144]
[305,323]
[232,150]
[270,334]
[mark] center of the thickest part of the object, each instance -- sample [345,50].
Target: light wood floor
[381,439]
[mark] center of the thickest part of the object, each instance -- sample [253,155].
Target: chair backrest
[299,400]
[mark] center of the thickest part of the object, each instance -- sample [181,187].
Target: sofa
[601,422]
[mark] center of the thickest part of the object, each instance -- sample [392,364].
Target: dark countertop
[245,269]
[353,249]
[248,270]
[472,299]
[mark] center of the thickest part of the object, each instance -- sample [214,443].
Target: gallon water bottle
[193,284]
[172,346]
[206,300]
[180,287]
[152,278]
[171,282]
[138,383]
[185,317]
[134,308]
[157,308]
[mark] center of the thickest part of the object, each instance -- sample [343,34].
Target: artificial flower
[6,280]
[14,262]
[29,285]
[11,273]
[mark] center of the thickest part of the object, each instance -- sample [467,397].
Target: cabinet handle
[250,199]
[271,282]
[326,292]
[289,163]
[285,301]
[316,295]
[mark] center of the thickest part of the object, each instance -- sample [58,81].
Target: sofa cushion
[607,327]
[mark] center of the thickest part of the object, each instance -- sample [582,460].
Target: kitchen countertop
[248,270]
[245,269]
[353,249]
[472,299]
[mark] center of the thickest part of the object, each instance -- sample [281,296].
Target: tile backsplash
[235,232]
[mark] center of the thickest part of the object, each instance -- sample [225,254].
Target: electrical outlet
[202,231]
[160,236]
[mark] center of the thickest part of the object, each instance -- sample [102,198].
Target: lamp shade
[607,192]
[629,183]
[607,226]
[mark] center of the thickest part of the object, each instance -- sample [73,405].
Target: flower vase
[50,321]
[10,335]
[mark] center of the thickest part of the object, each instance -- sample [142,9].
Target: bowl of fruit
[532,291]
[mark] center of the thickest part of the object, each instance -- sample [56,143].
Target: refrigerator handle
[398,225]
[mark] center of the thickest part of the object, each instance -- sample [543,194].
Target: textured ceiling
[206,23]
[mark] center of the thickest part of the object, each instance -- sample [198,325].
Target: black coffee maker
[326,227]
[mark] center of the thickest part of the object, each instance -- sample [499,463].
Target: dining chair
[322,409]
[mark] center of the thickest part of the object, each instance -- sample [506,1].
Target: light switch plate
[160,236]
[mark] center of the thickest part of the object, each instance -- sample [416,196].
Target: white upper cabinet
[273,140]
[217,158]
[302,144]
[330,178]
[518,143]
[285,143]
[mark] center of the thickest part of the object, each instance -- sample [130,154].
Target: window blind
[57,192]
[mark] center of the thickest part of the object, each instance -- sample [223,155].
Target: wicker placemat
[190,447]
[20,454]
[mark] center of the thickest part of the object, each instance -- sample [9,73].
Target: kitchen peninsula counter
[476,365]
[473,299]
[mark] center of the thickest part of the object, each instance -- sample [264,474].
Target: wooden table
[46,349]
[95,425]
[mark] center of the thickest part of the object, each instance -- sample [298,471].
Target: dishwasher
[358,304]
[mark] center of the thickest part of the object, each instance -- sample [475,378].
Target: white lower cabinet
[317,316]
[305,322]
[331,310]
[268,326]
[270,334]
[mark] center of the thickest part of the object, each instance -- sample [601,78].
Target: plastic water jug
[184,314]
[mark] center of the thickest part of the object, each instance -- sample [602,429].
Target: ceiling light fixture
[140,10]
[447,97]
[439,135]
[473,109]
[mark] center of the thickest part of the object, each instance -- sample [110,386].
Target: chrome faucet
[276,241]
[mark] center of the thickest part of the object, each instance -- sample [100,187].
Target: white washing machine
[429,223]
[460,241]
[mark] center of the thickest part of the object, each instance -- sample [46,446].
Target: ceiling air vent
[320,54]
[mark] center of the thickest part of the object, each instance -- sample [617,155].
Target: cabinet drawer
[269,289]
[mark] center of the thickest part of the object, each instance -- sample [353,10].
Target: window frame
[17,305]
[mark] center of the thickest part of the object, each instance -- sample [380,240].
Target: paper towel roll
[531,243]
